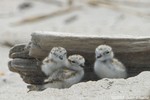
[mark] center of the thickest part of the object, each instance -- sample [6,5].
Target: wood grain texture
[133,52]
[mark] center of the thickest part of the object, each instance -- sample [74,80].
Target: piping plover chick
[57,58]
[64,77]
[106,66]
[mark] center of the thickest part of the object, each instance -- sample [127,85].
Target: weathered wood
[20,51]
[133,52]
[19,48]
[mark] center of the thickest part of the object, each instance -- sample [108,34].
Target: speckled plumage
[64,77]
[57,58]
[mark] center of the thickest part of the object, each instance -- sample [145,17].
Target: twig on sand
[55,2]
[131,3]
[120,6]
[46,16]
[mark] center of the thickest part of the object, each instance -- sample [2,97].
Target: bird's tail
[35,88]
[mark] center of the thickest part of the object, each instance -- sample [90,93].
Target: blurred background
[115,18]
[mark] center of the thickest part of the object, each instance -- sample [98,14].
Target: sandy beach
[103,20]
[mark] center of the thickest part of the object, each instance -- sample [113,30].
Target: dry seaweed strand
[132,3]
[55,2]
[116,5]
[46,16]
[119,6]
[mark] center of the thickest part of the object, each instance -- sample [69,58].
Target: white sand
[102,21]
[106,89]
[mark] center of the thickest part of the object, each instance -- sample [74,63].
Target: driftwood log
[27,58]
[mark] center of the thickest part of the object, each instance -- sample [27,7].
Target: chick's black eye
[73,61]
[107,52]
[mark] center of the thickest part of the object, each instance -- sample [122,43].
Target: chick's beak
[82,65]
[69,60]
[61,58]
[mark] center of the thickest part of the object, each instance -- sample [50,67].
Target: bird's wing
[35,88]
[68,73]
[119,66]
[47,60]
[61,75]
